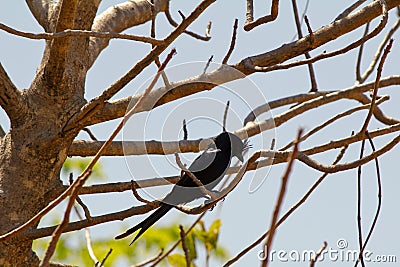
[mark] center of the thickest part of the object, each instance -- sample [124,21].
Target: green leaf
[209,237]
[213,233]
[79,164]
[191,246]
[178,260]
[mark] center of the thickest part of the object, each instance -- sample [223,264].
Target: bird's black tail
[144,225]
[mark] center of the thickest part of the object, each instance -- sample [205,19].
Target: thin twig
[285,177]
[263,20]
[272,146]
[208,29]
[376,85]
[194,178]
[181,14]
[177,242]
[80,33]
[225,116]
[233,42]
[315,258]
[307,54]
[184,247]
[88,239]
[249,11]
[134,185]
[350,9]
[310,31]
[56,236]
[333,119]
[190,33]
[185,131]
[379,51]
[91,135]
[359,57]
[153,35]
[143,263]
[80,202]
[106,257]
[378,208]
[85,208]
[208,64]
[359,224]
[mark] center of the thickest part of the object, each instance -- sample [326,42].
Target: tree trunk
[33,152]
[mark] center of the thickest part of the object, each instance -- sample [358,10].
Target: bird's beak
[240,157]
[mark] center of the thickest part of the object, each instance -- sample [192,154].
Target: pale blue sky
[330,213]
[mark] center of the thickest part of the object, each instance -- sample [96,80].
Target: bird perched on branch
[208,168]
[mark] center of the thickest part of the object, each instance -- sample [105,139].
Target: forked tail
[144,225]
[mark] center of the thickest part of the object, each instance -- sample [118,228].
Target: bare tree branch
[199,184]
[279,201]
[190,33]
[184,246]
[379,205]
[359,57]
[177,243]
[80,33]
[307,54]
[379,51]
[117,108]
[351,165]
[359,224]
[208,81]
[124,186]
[88,148]
[315,258]
[95,104]
[11,99]
[119,18]
[148,261]
[376,85]
[333,119]
[266,61]
[263,20]
[233,41]
[95,220]
[350,9]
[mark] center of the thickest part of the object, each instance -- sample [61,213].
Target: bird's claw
[209,199]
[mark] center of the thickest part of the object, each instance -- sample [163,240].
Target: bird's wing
[204,160]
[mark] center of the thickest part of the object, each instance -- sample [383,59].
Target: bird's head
[227,141]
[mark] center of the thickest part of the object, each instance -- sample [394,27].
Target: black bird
[209,168]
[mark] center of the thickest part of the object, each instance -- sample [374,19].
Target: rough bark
[33,152]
